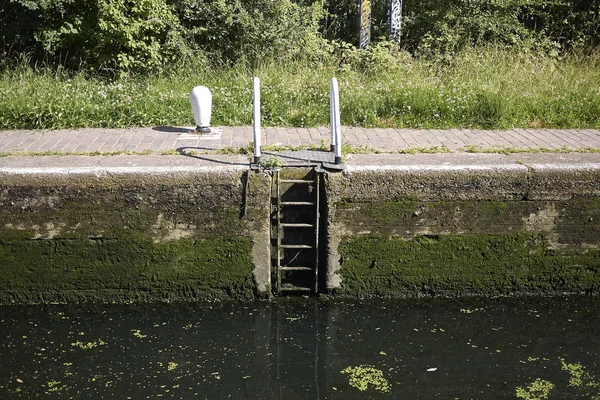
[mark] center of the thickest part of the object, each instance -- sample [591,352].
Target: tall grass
[483,88]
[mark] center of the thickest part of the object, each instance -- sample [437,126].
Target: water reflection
[304,349]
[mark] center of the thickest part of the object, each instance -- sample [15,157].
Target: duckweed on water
[172,366]
[137,333]
[470,311]
[364,375]
[579,377]
[88,345]
[538,390]
[252,350]
[55,386]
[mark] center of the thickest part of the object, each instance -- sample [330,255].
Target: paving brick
[294,136]
[390,139]
[560,138]
[7,139]
[399,139]
[46,140]
[170,142]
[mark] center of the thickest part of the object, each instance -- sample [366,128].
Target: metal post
[395,19]
[336,127]
[332,117]
[365,23]
[256,103]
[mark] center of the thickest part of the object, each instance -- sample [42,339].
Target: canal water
[530,348]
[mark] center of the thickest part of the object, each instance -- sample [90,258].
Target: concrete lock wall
[497,228]
[427,228]
[198,234]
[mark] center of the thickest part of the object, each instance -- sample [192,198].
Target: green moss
[360,213]
[406,215]
[108,269]
[461,265]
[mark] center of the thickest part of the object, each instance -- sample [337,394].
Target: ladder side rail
[279,249]
[316,244]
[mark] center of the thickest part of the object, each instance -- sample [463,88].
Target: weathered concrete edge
[100,171]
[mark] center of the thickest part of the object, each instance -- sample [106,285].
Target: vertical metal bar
[278,178]
[256,114]
[332,116]
[365,23]
[316,246]
[336,125]
[395,19]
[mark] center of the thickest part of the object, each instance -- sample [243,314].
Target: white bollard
[201,99]
[256,115]
[336,126]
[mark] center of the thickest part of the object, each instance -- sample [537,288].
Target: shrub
[434,27]
[105,35]
[253,30]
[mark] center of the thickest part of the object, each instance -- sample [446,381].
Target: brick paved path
[163,139]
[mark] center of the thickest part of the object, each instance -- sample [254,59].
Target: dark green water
[428,349]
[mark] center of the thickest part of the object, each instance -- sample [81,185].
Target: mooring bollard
[201,99]
[336,128]
[256,103]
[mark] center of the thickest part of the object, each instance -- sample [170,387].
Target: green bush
[142,36]
[253,30]
[433,27]
[139,35]
[103,35]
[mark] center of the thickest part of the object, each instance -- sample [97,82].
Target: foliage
[142,36]
[270,162]
[342,21]
[253,30]
[438,28]
[151,35]
[104,35]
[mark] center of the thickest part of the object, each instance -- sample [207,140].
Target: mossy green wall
[133,237]
[464,265]
[121,269]
[453,233]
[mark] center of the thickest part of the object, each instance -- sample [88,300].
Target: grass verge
[486,88]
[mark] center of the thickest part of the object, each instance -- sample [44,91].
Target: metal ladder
[297,230]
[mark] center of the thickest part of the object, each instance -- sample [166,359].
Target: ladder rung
[295,225]
[295,246]
[296,269]
[295,181]
[295,289]
[297,203]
